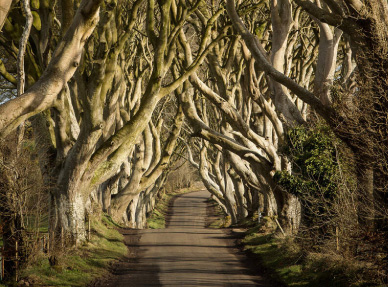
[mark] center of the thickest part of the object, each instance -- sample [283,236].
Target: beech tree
[355,114]
[91,106]
[241,134]
[115,90]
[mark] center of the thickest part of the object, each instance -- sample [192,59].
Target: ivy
[315,173]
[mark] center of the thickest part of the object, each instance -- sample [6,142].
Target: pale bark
[155,130]
[20,63]
[230,197]
[235,119]
[250,85]
[61,68]
[121,200]
[302,93]
[118,144]
[281,15]
[5,6]
[170,145]
[226,187]
[242,211]
[139,181]
[210,185]
[22,47]
[326,63]
[202,130]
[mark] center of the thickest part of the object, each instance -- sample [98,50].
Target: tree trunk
[289,211]
[69,221]
[240,199]
[230,201]
[131,212]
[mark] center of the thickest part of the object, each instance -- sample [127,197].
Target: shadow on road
[183,254]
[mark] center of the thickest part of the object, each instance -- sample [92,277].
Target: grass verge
[215,217]
[157,219]
[283,259]
[78,267]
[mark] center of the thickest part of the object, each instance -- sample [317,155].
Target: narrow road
[184,254]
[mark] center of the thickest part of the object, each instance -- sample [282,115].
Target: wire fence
[32,242]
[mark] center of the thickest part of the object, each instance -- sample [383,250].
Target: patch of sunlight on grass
[273,256]
[31,222]
[218,223]
[78,267]
[285,260]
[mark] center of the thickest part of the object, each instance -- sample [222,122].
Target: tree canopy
[280,106]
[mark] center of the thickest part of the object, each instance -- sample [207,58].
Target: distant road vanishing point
[184,254]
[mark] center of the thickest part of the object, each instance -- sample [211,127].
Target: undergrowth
[287,261]
[78,267]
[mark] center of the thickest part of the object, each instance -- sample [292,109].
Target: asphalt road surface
[184,254]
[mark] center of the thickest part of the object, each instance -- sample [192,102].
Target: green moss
[218,223]
[107,165]
[36,21]
[35,4]
[80,266]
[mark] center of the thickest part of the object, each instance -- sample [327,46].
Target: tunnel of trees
[281,107]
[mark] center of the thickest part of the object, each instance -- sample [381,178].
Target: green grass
[77,267]
[218,223]
[286,261]
[31,222]
[267,248]
[157,219]
[219,219]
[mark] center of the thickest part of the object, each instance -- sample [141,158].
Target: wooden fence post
[88,228]
[337,238]
[50,242]
[16,260]
[76,233]
[2,264]
[62,239]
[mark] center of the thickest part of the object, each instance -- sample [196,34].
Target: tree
[94,120]
[357,115]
